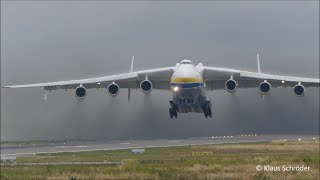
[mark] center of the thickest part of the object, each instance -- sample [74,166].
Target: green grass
[228,161]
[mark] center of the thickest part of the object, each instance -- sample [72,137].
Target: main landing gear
[173,111]
[207,109]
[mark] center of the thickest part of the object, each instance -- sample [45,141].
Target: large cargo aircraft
[187,82]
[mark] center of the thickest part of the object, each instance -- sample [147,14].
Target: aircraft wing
[215,78]
[160,79]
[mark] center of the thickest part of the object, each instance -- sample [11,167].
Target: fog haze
[53,41]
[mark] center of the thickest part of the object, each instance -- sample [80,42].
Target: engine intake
[146,86]
[265,87]
[113,89]
[80,92]
[231,85]
[299,90]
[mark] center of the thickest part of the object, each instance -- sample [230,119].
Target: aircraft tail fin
[258,63]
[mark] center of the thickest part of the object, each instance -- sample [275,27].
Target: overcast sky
[52,41]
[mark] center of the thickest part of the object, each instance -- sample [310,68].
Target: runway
[26,149]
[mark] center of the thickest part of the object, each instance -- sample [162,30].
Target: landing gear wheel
[207,110]
[210,113]
[173,113]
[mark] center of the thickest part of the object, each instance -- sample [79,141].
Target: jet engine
[113,89]
[231,85]
[265,87]
[299,90]
[80,92]
[146,86]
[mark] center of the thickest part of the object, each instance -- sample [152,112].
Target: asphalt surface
[26,149]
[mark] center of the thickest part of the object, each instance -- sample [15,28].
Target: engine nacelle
[146,86]
[298,90]
[265,87]
[80,92]
[231,85]
[113,89]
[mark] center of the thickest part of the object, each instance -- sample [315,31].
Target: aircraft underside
[190,100]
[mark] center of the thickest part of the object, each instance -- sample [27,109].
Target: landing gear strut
[173,111]
[207,109]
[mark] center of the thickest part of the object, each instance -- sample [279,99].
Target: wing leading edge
[127,80]
[216,78]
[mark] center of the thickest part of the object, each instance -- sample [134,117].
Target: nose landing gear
[173,111]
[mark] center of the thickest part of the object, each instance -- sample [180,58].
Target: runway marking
[70,146]
[175,141]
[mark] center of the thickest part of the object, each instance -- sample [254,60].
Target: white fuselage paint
[188,88]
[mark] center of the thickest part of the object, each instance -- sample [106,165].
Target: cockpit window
[186,62]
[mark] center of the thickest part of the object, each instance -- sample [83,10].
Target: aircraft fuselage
[188,90]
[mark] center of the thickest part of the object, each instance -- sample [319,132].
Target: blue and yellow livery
[186,82]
